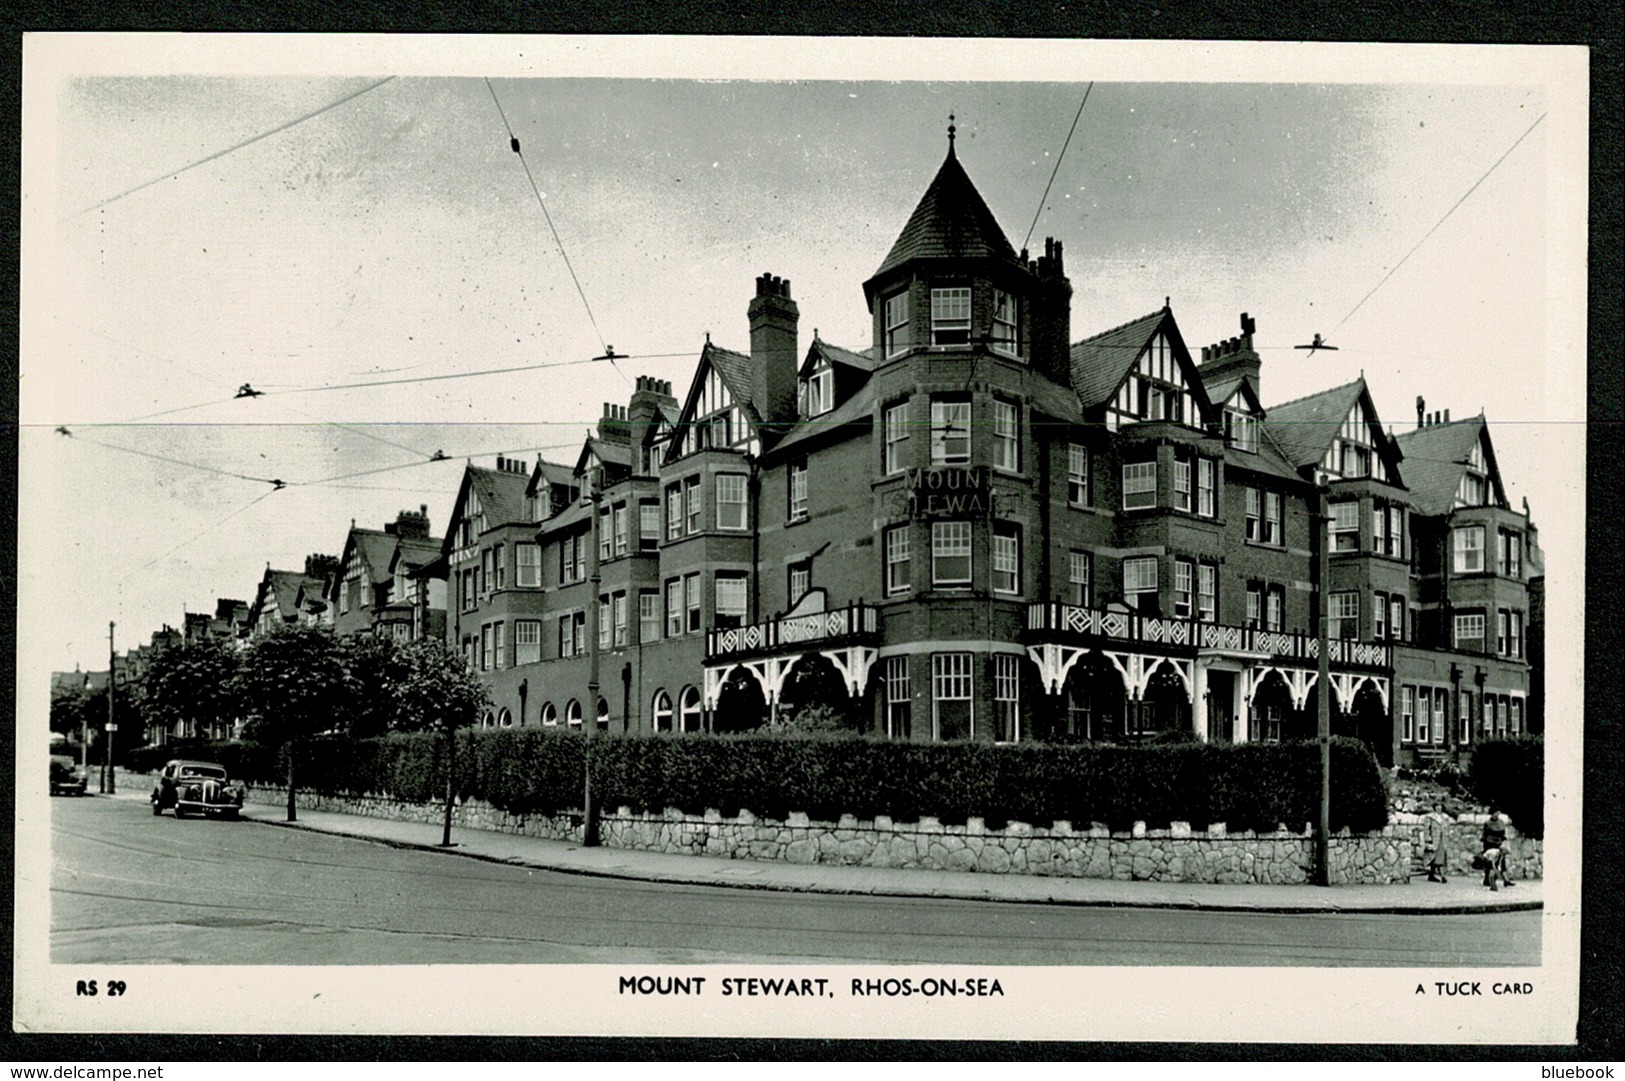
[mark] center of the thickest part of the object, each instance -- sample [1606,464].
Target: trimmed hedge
[1510,775]
[541,771]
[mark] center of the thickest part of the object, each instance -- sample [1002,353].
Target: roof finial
[950,133]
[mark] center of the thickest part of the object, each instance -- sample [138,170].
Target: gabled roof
[1305,427]
[834,354]
[548,472]
[605,451]
[735,370]
[1099,363]
[950,222]
[376,547]
[1435,459]
[284,586]
[414,551]
[575,514]
[858,409]
[502,494]
[1223,388]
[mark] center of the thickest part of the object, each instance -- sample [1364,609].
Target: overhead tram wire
[208,529]
[513,143]
[220,401]
[1058,158]
[228,150]
[438,457]
[172,461]
[1442,220]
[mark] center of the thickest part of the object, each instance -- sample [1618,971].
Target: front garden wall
[1174,855]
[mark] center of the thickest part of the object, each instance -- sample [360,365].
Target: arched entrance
[1091,706]
[1270,717]
[815,696]
[741,706]
[1164,710]
[1372,724]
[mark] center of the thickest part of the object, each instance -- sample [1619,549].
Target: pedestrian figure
[1494,839]
[1438,852]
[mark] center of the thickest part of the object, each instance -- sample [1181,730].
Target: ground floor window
[952,708]
[550,716]
[899,699]
[1006,698]
[662,711]
[691,709]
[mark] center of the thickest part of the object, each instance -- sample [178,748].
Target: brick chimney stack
[412,525]
[1050,320]
[774,351]
[650,398]
[1235,356]
[613,426]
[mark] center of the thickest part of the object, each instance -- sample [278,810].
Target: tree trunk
[293,810]
[451,773]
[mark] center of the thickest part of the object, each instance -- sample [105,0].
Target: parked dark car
[196,788]
[67,779]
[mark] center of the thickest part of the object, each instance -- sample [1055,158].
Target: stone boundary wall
[1179,854]
[1525,855]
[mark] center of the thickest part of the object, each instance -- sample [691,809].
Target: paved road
[131,888]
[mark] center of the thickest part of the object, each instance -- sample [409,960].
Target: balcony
[1055,622]
[855,624]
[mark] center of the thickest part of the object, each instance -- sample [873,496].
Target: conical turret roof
[950,222]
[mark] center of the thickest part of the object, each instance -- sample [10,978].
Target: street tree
[437,691]
[373,667]
[196,684]
[290,682]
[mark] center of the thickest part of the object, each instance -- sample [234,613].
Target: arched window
[691,709]
[505,718]
[603,715]
[550,716]
[488,721]
[662,711]
[572,714]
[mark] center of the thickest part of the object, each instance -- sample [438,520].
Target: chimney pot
[1447,416]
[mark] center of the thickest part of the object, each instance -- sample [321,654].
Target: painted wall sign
[950,492]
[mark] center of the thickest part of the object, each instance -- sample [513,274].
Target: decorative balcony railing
[836,626]
[1046,620]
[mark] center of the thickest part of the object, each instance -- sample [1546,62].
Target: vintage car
[196,788]
[67,779]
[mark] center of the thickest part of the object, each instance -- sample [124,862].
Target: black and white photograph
[801,537]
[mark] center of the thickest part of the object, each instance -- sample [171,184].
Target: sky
[396,237]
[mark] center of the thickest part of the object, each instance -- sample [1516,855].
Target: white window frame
[1006,334]
[1462,627]
[1467,549]
[897,324]
[899,698]
[798,491]
[1343,611]
[527,641]
[899,569]
[604,627]
[950,541]
[1184,588]
[952,680]
[895,423]
[1007,559]
[648,524]
[1006,436]
[1080,576]
[950,317]
[1207,592]
[950,416]
[674,608]
[1407,713]
[820,391]
[619,607]
[693,504]
[732,596]
[731,512]
[660,710]
[692,603]
[1006,698]
[1207,488]
[689,707]
[1077,475]
[1139,577]
[1344,524]
[527,565]
[674,511]
[1139,485]
[1182,485]
[648,615]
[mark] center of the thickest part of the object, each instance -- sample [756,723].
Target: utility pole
[107,748]
[589,722]
[1323,689]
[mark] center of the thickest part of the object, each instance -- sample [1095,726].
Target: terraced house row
[974,527]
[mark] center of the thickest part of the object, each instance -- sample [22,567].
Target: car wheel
[179,812]
[157,808]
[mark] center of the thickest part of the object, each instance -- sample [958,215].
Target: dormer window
[896,333]
[1154,390]
[1241,430]
[1006,324]
[818,392]
[950,316]
[1474,486]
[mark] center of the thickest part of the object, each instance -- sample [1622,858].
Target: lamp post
[1323,826]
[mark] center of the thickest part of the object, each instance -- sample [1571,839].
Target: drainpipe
[589,723]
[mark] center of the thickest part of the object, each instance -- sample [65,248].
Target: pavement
[1461,895]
